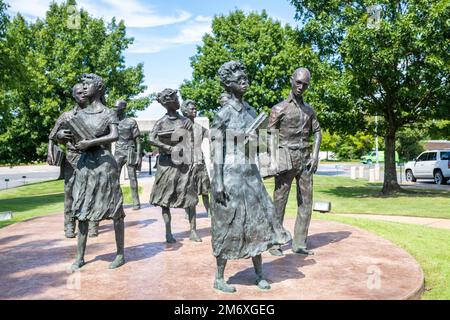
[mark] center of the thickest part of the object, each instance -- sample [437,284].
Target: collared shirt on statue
[296,123]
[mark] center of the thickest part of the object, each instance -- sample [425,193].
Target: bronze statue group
[245,221]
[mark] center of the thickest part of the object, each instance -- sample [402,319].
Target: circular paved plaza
[349,263]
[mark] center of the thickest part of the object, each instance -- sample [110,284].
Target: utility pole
[376,139]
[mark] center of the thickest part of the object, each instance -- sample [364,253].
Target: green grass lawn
[359,196]
[39,199]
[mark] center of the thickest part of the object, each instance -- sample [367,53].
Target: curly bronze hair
[227,70]
[166,95]
[185,104]
[97,80]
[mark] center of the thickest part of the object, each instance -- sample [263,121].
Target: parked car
[371,157]
[434,164]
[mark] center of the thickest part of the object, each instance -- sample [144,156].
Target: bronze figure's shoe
[93,234]
[303,251]
[70,234]
[223,286]
[194,237]
[118,261]
[77,265]
[276,252]
[263,284]
[170,239]
[137,207]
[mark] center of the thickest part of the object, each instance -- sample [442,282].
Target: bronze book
[282,163]
[258,123]
[79,129]
[133,157]
[58,156]
[165,133]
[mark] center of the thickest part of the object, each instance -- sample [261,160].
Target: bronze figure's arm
[154,140]
[317,141]
[217,135]
[111,137]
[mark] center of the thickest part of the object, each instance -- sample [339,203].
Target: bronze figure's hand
[220,194]
[64,135]
[187,125]
[83,145]
[312,165]
[50,159]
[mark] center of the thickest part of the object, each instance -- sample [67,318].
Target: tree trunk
[390,184]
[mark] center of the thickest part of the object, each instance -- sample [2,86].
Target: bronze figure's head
[300,81]
[168,98]
[233,77]
[189,109]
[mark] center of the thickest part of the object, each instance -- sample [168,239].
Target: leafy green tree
[438,129]
[348,147]
[270,52]
[54,52]
[411,142]
[395,67]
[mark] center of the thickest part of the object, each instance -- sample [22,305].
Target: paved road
[45,172]
[32,173]
[344,170]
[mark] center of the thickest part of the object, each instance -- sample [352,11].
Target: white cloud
[153,111]
[188,33]
[30,8]
[135,13]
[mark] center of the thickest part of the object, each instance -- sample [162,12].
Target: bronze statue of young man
[60,135]
[174,185]
[128,149]
[296,122]
[189,110]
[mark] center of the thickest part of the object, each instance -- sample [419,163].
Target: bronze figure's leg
[81,246]
[304,212]
[119,229]
[283,184]
[193,224]
[93,229]
[69,221]
[205,199]
[219,282]
[167,220]
[260,281]
[134,187]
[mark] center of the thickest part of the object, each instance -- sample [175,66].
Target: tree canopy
[269,50]
[392,58]
[52,54]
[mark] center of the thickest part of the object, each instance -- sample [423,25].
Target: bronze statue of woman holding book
[96,191]
[59,135]
[174,185]
[241,210]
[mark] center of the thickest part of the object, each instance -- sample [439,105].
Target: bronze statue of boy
[296,122]
[128,149]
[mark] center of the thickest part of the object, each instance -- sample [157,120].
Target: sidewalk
[428,222]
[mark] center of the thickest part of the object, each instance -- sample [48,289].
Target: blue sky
[166,32]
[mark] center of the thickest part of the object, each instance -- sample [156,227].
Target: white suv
[434,164]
